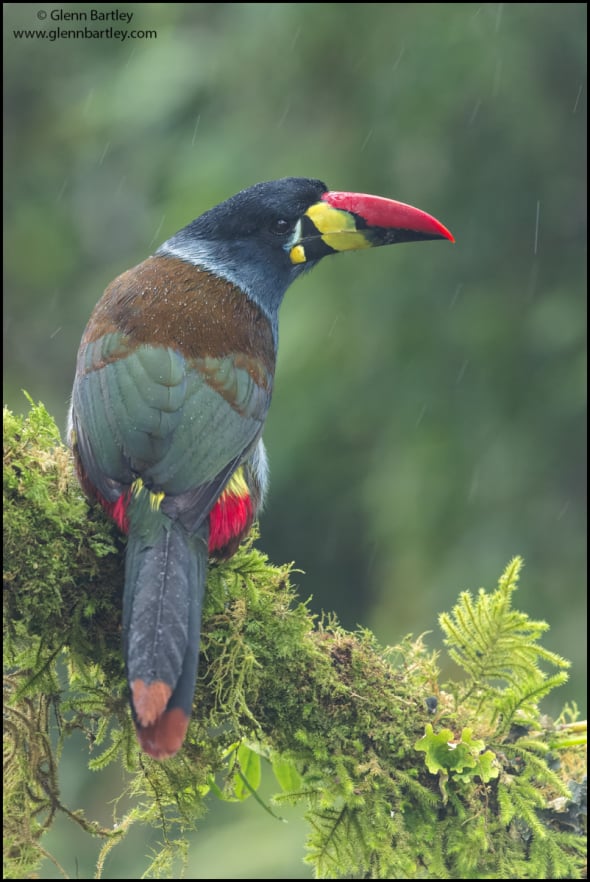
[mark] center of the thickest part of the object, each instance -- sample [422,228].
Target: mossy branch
[402,778]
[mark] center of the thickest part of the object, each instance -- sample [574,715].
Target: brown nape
[165,301]
[164,738]
[149,702]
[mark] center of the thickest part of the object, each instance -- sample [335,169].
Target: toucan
[174,379]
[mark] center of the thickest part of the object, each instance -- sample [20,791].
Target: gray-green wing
[180,425]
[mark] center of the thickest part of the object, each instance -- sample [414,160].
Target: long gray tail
[165,577]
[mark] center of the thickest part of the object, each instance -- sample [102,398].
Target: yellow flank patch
[137,486]
[337,227]
[155,498]
[297,254]
[236,485]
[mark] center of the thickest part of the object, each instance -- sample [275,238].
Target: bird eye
[281,227]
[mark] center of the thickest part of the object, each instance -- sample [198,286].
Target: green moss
[402,777]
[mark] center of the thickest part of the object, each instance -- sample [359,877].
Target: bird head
[264,237]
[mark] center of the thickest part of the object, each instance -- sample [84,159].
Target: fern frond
[498,649]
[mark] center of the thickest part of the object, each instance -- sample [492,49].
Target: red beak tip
[379,211]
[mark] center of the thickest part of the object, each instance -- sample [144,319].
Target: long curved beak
[349,221]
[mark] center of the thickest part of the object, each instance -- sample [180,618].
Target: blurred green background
[428,420]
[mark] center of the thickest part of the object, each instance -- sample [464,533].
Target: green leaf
[286,774]
[437,749]
[446,754]
[249,766]
[487,767]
